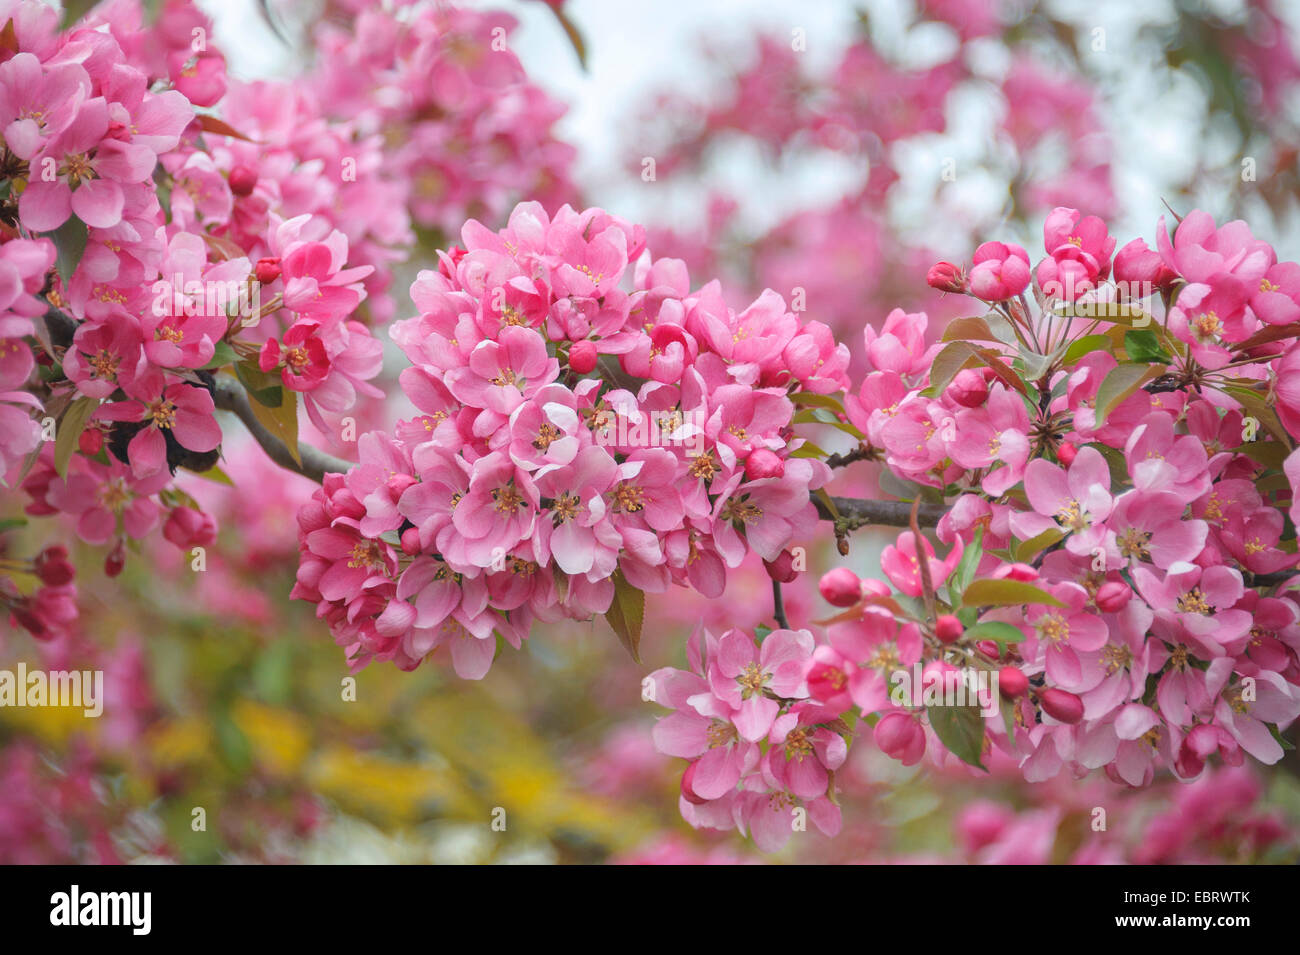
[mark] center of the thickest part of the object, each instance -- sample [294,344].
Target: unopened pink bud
[1061,705]
[840,587]
[763,464]
[1012,682]
[948,628]
[968,388]
[946,277]
[582,357]
[1113,596]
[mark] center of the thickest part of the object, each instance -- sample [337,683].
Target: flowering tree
[1090,469]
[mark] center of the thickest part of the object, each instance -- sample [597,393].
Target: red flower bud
[948,628]
[267,270]
[1065,453]
[242,180]
[840,587]
[782,569]
[115,560]
[1113,596]
[989,648]
[1061,705]
[763,464]
[90,441]
[899,735]
[582,357]
[52,566]
[1012,682]
[411,541]
[946,277]
[188,528]
[968,388]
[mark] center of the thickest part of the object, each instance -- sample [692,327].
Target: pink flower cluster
[1112,472]
[588,427]
[762,755]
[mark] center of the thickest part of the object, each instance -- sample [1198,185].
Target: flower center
[797,744]
[546,435]
[105,365]
[1071,516]
[752,680]
[566,508]
[745,511]
[720,733]
[508,500]
[296,358]
[1194,602]
[77,168]
[163,413]
[114,495]
[1206,325]
[1115,657]
[365,553]
[1054,628]
[1135,543]
[629,497]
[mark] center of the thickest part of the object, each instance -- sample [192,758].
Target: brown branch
[229,395]
[850,513]
[845,458]
[856,512]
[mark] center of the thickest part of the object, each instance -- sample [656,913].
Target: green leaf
[281,421]
[954,357]
[809,399]
[808,450]
[70,245]
[967,329]
[829,502]
[998,631]
[215,473]
[961,730]
[1006,593]
[1085,346]
[970,558]
[11,523]
[265,389]
[1254,405]
[1030,548]
[1034,365]
[815,416]
[69,429]
[1008,708]
[224,355]
[1122,382]
[1143,345]
[1271,454]
[626,614]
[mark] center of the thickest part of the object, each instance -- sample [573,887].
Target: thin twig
[778,606]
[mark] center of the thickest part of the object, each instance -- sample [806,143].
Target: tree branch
[851,513]
[229,395]
[856,512]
